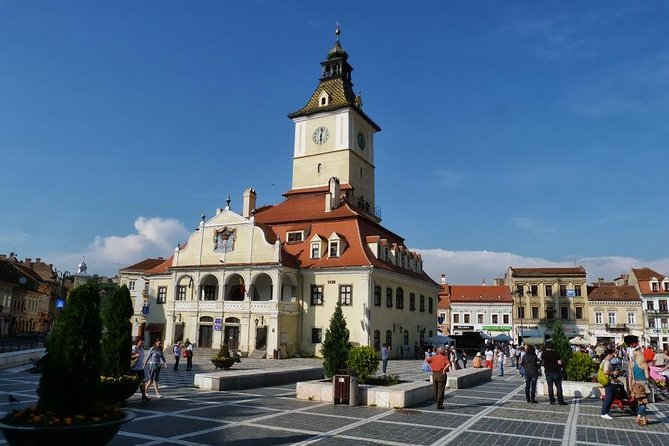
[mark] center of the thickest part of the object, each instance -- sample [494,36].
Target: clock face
[361,141]
[321,135]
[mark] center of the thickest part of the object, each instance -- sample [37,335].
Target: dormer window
[323,99]
[654,285]
[317,246]
[295,236]
[665,284]
[337,245]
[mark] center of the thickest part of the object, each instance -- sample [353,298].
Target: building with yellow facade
[266,280]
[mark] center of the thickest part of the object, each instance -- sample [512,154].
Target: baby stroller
[621,398]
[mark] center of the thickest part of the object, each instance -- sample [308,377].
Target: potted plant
[223,360]
[117,384]
[69,409]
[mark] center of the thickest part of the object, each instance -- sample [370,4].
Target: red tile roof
[624,293]
[475,293]
[308,212]
[143,266]
[644,276]
[547,272]
[162,267]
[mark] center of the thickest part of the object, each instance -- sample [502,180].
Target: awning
[533,341]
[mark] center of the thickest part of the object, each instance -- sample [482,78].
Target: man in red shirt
[440,365]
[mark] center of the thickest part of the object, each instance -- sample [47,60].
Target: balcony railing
[616,327]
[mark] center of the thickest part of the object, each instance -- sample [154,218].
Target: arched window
[389,339]
[377,340]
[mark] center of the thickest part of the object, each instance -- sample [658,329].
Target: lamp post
[521,311]
[60,276]
[656,327]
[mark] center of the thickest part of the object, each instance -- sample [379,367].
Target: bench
[463,378]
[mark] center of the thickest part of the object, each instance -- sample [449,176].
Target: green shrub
[336,344]
[561,342]
[580,367]
[384,380]
[70,381]
[117,340]
[363,361]
[224,351]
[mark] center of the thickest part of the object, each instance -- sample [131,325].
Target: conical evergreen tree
[561,343]
[70,381]
[117,340]
[336,344]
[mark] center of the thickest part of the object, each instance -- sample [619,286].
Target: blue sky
[514,133]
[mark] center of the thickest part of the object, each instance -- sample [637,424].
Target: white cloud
[472,267]
[155,237]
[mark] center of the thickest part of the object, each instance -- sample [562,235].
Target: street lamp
[521,310]
[656,327]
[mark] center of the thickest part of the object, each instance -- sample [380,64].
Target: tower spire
[337,31]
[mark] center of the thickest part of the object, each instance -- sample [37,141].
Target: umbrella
[439,340]
[485,335]
[578,341]
[502,338]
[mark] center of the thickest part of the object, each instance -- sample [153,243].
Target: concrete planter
[573,389]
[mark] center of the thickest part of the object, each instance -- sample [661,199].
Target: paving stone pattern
[491,414]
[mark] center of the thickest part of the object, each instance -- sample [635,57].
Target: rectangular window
[663,306]
[563,290]
[577,290]
[654,286]
[631,318]
[549,290]
[579,313]
[494,318]
[612,317]
[505,318]
[334,249]
[131,285]
[534,290]
[316,294]
[535,312]
[161,298]
[521,312]
[466,318]
[296,236]
[316,335]
[377,296]
[666,286]
[549,313]
[181,292]
[209,292]
[389,297]
[315,250]
[430,305]
[346,294]
[598,317]
[422,303]
[650,305]
[456,318]
[412,302]
[399,299]
[564,313]
[651,323]
[519,290]
[479,318]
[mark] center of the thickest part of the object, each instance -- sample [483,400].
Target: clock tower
[334,137]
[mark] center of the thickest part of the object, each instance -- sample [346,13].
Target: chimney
[333,195]
[38,260]
[27,261]
[443,279]
[483,283]
[249,200]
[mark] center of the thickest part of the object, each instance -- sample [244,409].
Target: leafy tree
[336,344]
[70,381]
[561,343]
[117,340]
[363,360]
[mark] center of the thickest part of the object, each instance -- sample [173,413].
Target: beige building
[653,287]
[266,280]
[614,312]
[545,295]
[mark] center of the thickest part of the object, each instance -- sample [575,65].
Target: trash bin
[345,390]
[276,354]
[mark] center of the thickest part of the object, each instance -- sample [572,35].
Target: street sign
[60,303]
[571,293]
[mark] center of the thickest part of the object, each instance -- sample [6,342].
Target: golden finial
[337,31]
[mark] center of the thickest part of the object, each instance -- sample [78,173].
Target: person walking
[553,368]
[500,361]
[639,372]
[176,351]
[385,352]
[189,355]
[609,384]
[137,368]
[464,359]
[530,365]
[440,365]
[156,361]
